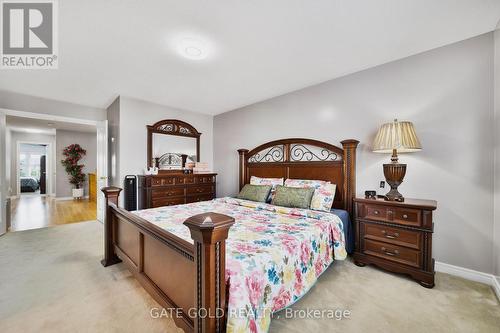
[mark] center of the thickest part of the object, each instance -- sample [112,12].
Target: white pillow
[323,197]
[266,181]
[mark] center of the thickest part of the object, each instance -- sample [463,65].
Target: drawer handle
[405,216]
[393,236]
[376,212]
[395,253]
[199,190]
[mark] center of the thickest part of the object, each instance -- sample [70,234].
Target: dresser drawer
[198,198]
[167,202]
[201,189]
[167,192]
[397,236]
[162,181]
[184,180]
[205,179]
[392,252]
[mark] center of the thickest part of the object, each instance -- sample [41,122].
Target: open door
[3,175]
[43,174]
[102,167]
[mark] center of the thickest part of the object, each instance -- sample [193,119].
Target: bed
[220,275]
[29,184]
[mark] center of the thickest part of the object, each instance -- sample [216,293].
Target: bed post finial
[242,166]
[349,173]
[111,195]
[210,261]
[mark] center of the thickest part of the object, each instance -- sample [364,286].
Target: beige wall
[130,146]
[446,92]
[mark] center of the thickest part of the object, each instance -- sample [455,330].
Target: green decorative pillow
[257,193]
[293,197]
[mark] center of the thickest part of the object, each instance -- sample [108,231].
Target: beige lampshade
[399,135]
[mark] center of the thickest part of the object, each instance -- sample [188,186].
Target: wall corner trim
[470,274]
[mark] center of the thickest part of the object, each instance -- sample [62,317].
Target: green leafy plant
[73,154]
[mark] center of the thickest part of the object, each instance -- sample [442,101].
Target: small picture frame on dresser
[396,236]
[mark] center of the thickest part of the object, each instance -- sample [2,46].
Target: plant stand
[78,193]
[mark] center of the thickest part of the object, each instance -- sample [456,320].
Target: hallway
[32,212]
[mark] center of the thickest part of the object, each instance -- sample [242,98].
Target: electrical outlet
[382,184]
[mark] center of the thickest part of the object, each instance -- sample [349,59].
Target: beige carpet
[51,281]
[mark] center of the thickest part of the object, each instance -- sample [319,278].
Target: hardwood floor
[31,212]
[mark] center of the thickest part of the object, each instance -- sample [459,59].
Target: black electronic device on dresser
[396,236]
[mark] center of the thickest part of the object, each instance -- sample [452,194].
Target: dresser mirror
[171,144]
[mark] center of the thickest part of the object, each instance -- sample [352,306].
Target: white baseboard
[496,286]
[470,274]
[68,198]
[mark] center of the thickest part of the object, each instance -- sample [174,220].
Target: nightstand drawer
[392,252]
[397,236]
[397,215]
[407,216]
[376,212]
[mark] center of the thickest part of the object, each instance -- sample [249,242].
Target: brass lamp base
[394,174]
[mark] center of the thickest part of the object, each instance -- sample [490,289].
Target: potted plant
[73,154]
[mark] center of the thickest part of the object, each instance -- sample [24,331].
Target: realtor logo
[29,34]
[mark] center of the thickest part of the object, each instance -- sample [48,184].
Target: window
[29,160]
[23,165]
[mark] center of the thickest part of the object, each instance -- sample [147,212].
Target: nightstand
[396,236]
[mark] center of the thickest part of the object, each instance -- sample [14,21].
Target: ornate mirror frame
[171,127]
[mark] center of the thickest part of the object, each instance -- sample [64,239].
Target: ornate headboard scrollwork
[172,161]
[304,159]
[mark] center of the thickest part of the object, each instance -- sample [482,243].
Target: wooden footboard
[188,280]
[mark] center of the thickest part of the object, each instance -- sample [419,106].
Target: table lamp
[396,137]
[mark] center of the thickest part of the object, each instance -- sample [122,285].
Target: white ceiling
[262,48]
[40,126]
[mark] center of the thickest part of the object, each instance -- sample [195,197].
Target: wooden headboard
[304,159]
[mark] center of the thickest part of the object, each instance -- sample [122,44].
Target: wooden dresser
[175,189]
[92,187]
[396,236]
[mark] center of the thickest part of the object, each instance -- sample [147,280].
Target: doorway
[41,191]
[32,168]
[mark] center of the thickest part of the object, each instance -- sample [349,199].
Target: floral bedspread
[281,250]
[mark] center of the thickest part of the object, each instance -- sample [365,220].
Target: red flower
[253,326]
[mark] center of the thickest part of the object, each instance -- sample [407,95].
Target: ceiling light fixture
[193,48]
